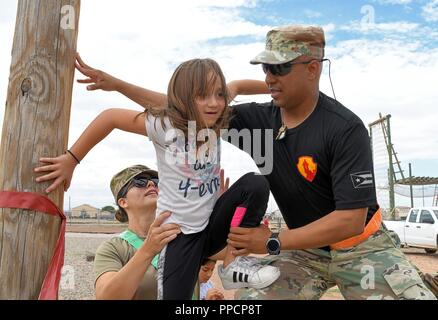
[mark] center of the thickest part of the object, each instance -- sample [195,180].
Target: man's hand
[249,240]
[97,78]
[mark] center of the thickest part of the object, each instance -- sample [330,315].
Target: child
[207,291]
[189,179]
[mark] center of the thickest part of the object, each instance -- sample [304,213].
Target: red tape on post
[37,202]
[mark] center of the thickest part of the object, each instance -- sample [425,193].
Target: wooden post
[36,124]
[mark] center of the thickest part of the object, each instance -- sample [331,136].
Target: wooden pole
[36,124]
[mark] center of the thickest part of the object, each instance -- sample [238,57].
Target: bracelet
[71,153]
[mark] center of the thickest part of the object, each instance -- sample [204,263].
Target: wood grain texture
[36,124]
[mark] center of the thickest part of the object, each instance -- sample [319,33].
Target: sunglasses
[142,182]
[138,182]
[284,68]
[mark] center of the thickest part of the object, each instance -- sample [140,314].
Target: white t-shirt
[203,289]
[189,185]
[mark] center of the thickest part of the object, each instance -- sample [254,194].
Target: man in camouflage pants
[322,180]
[375,269]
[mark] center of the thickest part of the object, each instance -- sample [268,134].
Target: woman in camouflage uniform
[124,265]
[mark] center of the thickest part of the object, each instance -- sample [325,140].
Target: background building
[84,211]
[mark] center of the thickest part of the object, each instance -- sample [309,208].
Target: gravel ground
[77,282]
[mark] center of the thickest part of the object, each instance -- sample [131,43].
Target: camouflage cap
[285,44]
[124,176]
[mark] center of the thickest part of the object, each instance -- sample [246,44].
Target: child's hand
[214,294]
[99,79]
[60,169]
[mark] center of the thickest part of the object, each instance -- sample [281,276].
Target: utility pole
[36,124]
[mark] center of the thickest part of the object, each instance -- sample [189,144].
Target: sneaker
[247,272]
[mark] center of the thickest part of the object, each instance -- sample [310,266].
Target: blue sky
[339,12]
[343,13]
[387,65]
[311,11]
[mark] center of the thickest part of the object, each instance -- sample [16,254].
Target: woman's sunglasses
[138,182]
[284,68]
[142,182]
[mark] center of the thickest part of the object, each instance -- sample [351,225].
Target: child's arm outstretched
[98,79]
[60,169]
[246,87]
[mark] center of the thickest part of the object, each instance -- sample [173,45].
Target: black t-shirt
[322,165]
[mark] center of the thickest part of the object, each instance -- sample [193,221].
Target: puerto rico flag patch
[363,179]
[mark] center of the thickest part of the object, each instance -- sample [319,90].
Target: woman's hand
[97,78]
[159,235]
[59,169]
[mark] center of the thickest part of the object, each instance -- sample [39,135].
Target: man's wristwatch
[273,244]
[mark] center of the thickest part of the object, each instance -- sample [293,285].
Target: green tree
[109,209]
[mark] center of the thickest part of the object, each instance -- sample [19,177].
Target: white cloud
[430,11]
[8,11]
[382,28]
[144,46]
[329,31]
[312,14]
[391,77]
[401,2]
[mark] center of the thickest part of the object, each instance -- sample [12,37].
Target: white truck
[420,229]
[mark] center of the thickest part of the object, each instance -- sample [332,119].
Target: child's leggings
[244,203]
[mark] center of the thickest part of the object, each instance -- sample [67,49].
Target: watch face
[273,245]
